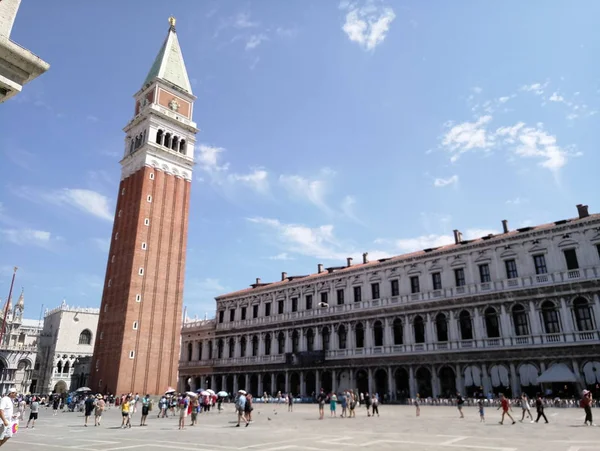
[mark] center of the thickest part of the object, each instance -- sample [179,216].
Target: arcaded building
[137,348]
[500,313]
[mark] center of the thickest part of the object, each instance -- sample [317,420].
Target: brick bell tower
[137,345]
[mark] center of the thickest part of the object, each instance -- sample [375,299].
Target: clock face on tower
[174,105]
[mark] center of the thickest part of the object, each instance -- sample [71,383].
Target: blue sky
[327,130]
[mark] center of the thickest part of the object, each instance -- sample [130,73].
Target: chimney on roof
[366,257]
[457,237]
[283,276]
[349,261]
[258,281]
[505,226]
[583,211]
[320,268]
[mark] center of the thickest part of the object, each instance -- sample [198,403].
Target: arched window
[220,346]
[175,143]
[281,343]
[325,334]
[342,337]
[66,368]
[466,325]
[159,137]
[419,326]
[398,332]
[268,344]
[200,346]
[441,324]
[520,320]
[131,146]
[254,346]
[359,334]
[378,333]
[167,141]
[295,342]
[190,350]
[310,340]
[492,326]
[243,347]
[550,318]
[59,368]
[182,146]
[231,348]
[85,337]
[210,350]
[583,315]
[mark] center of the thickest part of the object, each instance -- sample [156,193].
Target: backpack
[582,403]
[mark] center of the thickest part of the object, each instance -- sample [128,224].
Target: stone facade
[67,339]
[18,349]
[140,320]
[18,65]
[486,315]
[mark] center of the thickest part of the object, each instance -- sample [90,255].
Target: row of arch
[171,141]
[137,142]
[549,312]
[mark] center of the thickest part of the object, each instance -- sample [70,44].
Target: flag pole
[8,302]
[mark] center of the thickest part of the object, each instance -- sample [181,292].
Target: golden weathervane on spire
[172,21]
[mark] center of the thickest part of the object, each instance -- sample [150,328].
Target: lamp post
[8,301]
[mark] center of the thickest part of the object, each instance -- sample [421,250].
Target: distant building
[66,343]
[18,65]
[18,348]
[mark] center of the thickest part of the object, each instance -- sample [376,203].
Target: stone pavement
[437,429]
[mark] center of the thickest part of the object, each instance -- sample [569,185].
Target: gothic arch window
[220,346]
[398,332]
[466,325]
[342,337]
[295,342]
[231,348]
[85,337]
[138,140]
[243,343]
[492,326]
[550,318]
[268,344]
[159,137]
[378,333]
[66,368]
[359,335]
[326,335]
[310,340]
[190,350]
[175,143]
[441,325]
[281,343]
[59,367]
[419,326]
[167,141]
[254,346]
[520,320]
[132,146]
[583,315]
[182,146]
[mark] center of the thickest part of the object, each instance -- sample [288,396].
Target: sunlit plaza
[274,428]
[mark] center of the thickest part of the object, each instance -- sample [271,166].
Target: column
[412,382]
[213,381]
[567,317]
[534,318]
[388,336]
[351,372]
[577,372]
[261,345]
[302,384]
[459,380]
[368,335]
[429,331]
[370,372]
[237,347]
[235,384]
[223,382]
[246,382]
[260,385]
[453,327]
[334,381]
[408,331]
[435,382]
[319,338]
[478,332]
[596,309]
[288,341]
[485,379]
[287,381]
[273,392]
[515,385]
[391,383]
[504,322]
[318,381]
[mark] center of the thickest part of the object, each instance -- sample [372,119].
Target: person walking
[321,399]
[290,402]
[586,403]
[89,405]
[332,404]
[418,404]
[98,409]
[146,401]
[539,407]
[375,404]
[33,412]
[481,411]
[7,416]
[505,406]
[184,402]
[240,405]
[525,407]
[460,401]
[125,413]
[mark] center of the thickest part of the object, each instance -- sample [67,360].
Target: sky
[327,130]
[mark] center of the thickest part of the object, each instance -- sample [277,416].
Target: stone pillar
[459,380]
[235,384]
[288,341]
[368,335]
[515,383]
[505,328]
[287,382]
[302,384]
[412,382]
[247,382]
[429,330]
[391,384]
[577,372]
[351,372]
[435,382]
[453,327]
[317,381]
[261,389]
[370,373]
[478,332]
[567,317]
[261,344]
[596,309]
[334,381]
[319,338]
[273,381]
[534,318]
[388,335]
[408,331]
[213,381]
[223,382]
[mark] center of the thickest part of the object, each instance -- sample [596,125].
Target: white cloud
[208,158]
[348,205]
[281,256]
[255,40]
[311,190]
[477,90]
[257,179]
[504,99]
[367,25]
[92,118]
[85,200]
[440,183]
[517,201]
[286,32]
[433,240]
[242,20]
[467,136]
[26,236]
[536,88]
[555,97]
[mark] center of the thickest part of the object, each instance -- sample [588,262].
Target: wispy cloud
[282,256]
[255,40]
[536,88]
[517,201]
[258,180]
[311,190]
[441,183]
[26,237]
[467,136]
[433,240]
[366,23]
[21,157]
[242,20]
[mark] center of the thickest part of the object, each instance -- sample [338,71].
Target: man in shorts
[99,408]
[321,399]
[34,411]
[240,405]
[460,402]
[89,405]
[6,415]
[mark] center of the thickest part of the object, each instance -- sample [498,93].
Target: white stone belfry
[162,132]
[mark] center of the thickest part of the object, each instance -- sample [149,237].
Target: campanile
[137,345]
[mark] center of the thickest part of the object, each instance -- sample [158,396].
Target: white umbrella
[170,390]
[204,393]
[243,392]
[210,391]
[83,390]
[223,394]
[192,394]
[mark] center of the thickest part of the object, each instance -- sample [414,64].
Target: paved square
[438,428]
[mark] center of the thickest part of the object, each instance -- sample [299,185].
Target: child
[481,411]
[417,404]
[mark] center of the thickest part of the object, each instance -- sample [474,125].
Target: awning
[557,373]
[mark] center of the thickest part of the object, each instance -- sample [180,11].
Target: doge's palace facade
[486,315]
